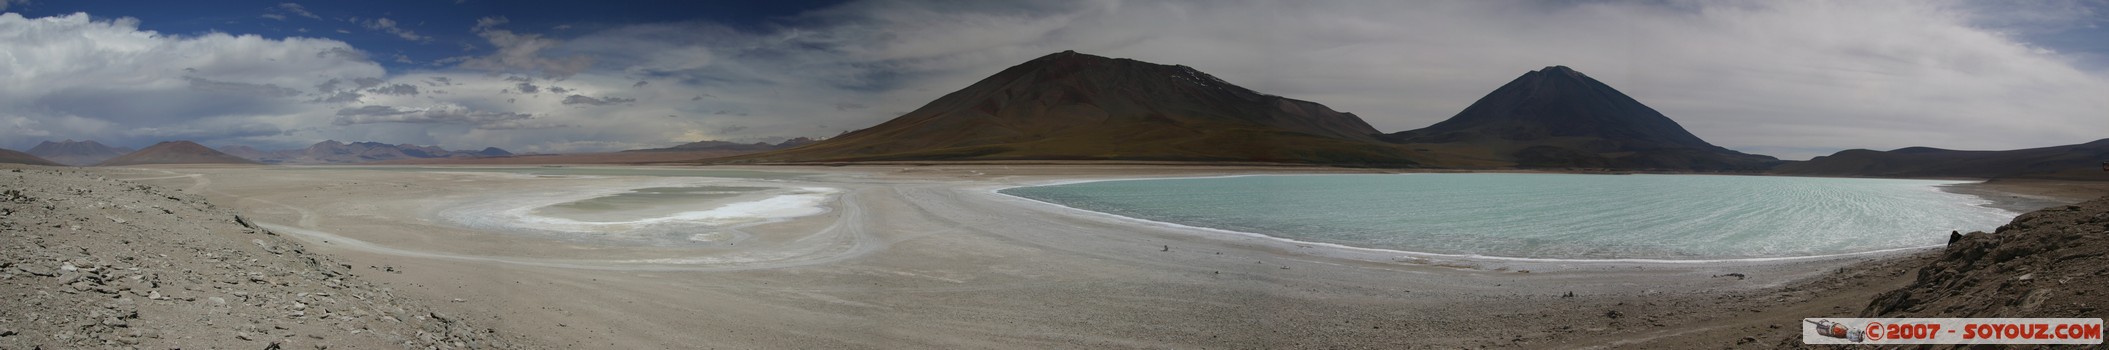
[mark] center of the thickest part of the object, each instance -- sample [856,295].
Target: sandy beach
[931,256]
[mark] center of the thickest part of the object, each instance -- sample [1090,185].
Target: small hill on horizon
[17,157]
[77,153]
[1074,106]
[335,152]
[2068,162]
[175,152]
[1560,118]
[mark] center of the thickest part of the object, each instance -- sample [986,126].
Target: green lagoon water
[1553,216]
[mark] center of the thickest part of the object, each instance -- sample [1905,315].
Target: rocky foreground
[90,262]
[2048,263]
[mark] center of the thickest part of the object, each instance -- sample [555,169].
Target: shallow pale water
[1560,216]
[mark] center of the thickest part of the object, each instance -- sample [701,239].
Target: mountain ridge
[337,152]
[77,153]
[1074,106]
[9,156]
[716,145]
[175,152]
[2066,162]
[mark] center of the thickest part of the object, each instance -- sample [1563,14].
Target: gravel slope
[89,262]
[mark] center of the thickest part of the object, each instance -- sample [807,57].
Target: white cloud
[1787,78]
[522,52]
[297,10]
[1799,76]
[110,80]
[389,26]
[372,114]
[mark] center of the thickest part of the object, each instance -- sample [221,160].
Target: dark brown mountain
[334,152]
[1076,106]
[490,152]
[715,145]
[175,152]
[81,153]
[17,157]
[2074,162]
[1559,118]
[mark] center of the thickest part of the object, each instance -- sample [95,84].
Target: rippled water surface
[1554,215]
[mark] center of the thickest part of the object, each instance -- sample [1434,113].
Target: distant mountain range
[77,153]
[1560,118]
[1073,106]
[713,145]
[175,152]
[334,152]
[2069,162]
[9,156]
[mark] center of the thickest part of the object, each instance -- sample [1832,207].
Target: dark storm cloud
[582,99]
[396,89]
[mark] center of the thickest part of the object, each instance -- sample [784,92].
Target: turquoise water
[1560,216]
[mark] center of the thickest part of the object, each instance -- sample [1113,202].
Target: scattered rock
[2046,263]
[238,219]
[73,275]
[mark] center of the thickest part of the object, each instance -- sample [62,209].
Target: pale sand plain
[932,257]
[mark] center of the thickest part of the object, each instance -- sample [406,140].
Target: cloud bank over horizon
[1792,79]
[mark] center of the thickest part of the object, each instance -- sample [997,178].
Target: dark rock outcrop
[2052,262]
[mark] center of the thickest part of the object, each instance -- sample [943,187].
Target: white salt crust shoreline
[1416,254]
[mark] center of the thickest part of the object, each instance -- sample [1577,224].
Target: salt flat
[931,256]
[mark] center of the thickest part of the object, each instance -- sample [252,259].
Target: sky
[1793,79]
